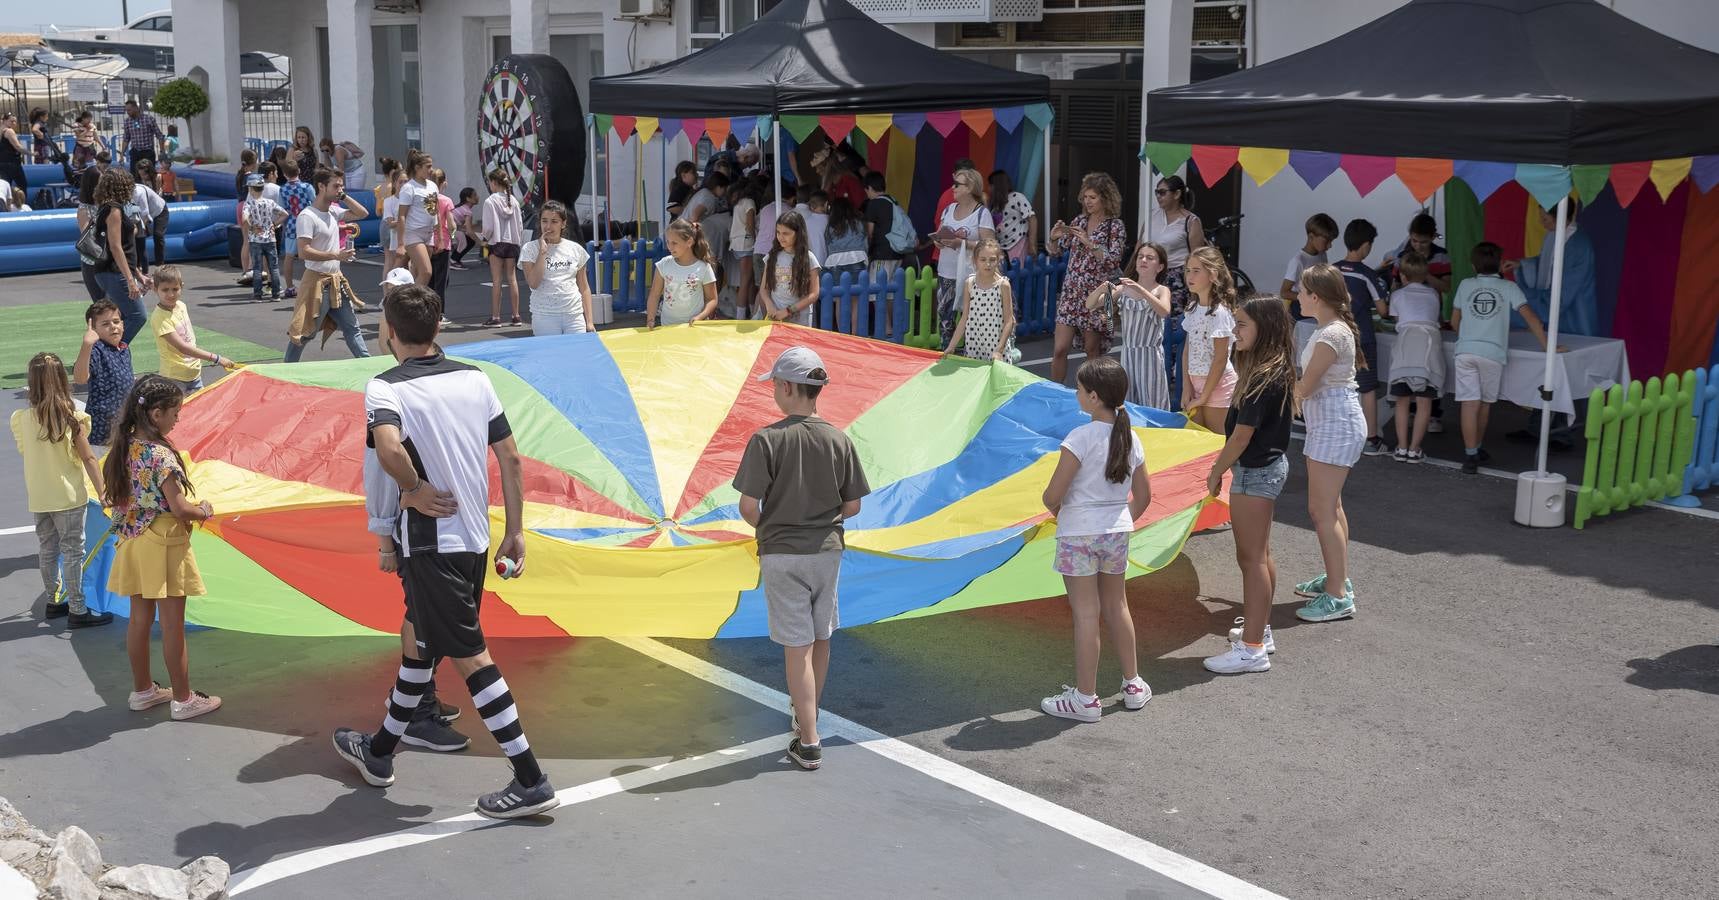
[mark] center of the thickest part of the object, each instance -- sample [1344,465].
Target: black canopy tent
[811,57]
[1549,82]
[1560,82]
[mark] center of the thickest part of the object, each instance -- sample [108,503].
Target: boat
[147,43]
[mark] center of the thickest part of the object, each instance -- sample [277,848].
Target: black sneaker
[1482,456]
[354,747]
[56,610]
[431,732]
[1470,465]
[516,801]
[450,713]
[88,619]
[1375,447]
[806,757]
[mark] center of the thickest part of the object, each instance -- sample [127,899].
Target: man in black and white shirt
[433,422]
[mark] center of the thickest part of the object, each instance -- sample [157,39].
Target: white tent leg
[1552,331]
[1045,223]
[663,180]
[776,161]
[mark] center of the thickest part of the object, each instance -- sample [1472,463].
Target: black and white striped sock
[495,706]
[409,687]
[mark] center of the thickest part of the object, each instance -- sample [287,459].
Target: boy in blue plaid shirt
[296,196]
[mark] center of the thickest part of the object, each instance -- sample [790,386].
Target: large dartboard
[530,125]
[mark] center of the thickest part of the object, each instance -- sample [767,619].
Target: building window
[398,110]
[713,20]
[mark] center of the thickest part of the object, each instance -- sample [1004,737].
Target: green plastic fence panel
[1640,439]
[921,287]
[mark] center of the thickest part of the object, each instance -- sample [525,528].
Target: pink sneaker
[199,704]
[142,700]
[1135,692]
[1071,705]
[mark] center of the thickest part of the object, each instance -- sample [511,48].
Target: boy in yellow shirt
[175,340]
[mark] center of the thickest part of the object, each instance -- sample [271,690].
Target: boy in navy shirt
[1368,292]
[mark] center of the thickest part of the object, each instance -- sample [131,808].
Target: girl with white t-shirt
[418,213]
[789,291]
[962,226]
[1336,432]
[1097,493]
[684,288]
[503,231]
[556,272]
[1208,379]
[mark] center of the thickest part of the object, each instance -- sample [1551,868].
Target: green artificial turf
[59,327]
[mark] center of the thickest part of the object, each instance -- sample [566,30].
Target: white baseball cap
[795,365]
[399,277]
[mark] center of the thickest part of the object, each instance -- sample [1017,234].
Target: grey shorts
[800,590]
[1265,482]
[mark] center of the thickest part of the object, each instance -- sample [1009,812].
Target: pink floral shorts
[1092,554]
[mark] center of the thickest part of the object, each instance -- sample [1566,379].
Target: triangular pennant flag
[646,127]
[604,123]
[874,125]
[1009,117]
[800,126]
[1262,163]
[624,127]
[1627,179]
[1667,174]
[1705,172]
[671,129]
[837,126]
[718,129]
[1214,162]
[693,129]
[1167,157]
[1589,180]
[910,123]
[944,121]
[978,121]
[590,120]
[1314,166]
[1484,178]
[1545,183]
[1367,172]
[763,126]
[1423,177]
[1041,114]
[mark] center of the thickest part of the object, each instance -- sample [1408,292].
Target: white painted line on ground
[321,857]
[1073,355]
[1137,850]
[21,529]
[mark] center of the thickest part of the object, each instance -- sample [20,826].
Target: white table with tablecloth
[1588,363]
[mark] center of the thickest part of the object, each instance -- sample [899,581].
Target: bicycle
[1230,226]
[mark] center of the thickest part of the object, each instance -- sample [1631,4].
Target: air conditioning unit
[646,9]
[409,7]
[903,11]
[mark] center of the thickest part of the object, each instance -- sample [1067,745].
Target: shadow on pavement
[1693,668]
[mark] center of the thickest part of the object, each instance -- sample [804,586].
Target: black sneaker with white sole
[446,711]
[1375,447]
[806,757]
[354,747]
[517,801]
[431,732]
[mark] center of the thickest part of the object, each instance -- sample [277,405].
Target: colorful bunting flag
[1589,180]
[1214,162]
[979,121]
[1667,174]
[1547,184]
[1705,172]
[1314,166]
[1483,178]
[1166,157]
[800,126]
[910,123]
[837,126]
[624,126]
[944,121]
[604,125]
[1009,117]
[694,129]
[646,127]
[718,129]
[1423,177]
[1367,172]
[671,129]
[1041,114]
[874,125]
[1261,163]
[1627,179]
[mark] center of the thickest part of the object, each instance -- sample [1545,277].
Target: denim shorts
[1264,482]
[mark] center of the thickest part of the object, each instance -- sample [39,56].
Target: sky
[65,13]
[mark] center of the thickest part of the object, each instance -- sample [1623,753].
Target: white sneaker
[199,704]
[1135,692]
[1071,705]
[1238,659]
[142,700]
[1236,635]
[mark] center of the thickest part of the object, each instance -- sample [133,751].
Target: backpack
[902,238]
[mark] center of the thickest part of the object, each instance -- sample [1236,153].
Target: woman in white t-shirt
[684,288]
[963,225]
[1097,493]
[556,272]
[418,200]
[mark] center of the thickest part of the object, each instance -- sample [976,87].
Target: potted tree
[181,98]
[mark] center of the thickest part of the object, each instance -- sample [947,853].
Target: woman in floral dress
[1095,242]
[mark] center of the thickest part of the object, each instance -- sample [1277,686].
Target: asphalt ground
[1513,712]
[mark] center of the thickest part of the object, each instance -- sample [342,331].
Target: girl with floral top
[148,492]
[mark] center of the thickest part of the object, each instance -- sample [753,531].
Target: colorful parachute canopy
[631,440]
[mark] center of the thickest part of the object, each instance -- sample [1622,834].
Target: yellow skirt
[157,563]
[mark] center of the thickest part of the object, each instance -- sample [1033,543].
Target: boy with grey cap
[798,480]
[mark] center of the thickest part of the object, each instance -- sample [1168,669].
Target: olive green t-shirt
[802,470]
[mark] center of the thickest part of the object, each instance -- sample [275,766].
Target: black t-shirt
[127,234]
[679,192]
[880,214]
[1269,413]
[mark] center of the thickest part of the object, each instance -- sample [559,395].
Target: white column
[351,75]
[1167,53]
[207,51]
[530,26]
